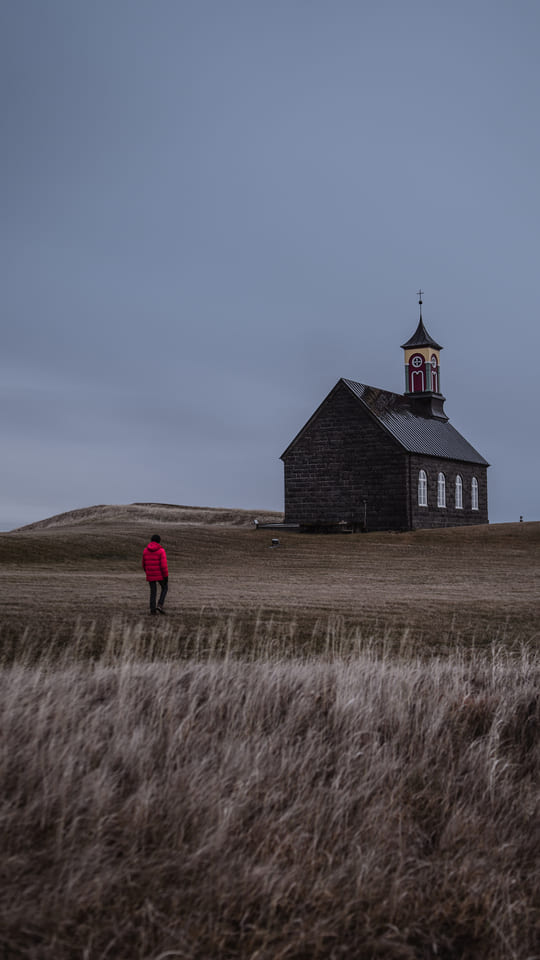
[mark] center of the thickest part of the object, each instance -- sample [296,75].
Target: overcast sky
[213,209]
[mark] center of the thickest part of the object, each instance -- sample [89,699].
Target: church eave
[417,435]
[311,419]
[420,435]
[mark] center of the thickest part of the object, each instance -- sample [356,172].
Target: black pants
[153,590]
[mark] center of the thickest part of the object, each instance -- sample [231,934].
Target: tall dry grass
[356,803]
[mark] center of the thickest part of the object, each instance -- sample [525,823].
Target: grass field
[478,583]
[328,749]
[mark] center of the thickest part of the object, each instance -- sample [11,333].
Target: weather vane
[420,292]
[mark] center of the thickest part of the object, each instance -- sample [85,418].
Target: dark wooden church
[369,459]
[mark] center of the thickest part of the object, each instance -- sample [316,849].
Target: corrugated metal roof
[425,435]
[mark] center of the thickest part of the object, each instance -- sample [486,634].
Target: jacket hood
[153,545]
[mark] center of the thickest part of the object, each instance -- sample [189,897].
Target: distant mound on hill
[155,513]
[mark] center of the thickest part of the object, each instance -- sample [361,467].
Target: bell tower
[422,372]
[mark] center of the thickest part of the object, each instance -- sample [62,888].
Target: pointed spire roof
[421,337]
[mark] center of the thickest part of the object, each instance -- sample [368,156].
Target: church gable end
[343,467]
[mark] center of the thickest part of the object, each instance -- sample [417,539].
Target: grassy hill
[156,513]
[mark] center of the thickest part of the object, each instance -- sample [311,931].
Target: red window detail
[417,381]
[417,374]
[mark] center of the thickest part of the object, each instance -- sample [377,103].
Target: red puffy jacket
[154,561]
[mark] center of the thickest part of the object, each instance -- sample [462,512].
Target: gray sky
[213,209]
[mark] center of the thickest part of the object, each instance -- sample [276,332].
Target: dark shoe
[160,610]
[152,613]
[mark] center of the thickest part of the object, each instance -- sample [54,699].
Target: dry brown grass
[360,805]
[478,582]
[329,749]
[154,513]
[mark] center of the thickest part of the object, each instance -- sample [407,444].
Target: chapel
[370,459]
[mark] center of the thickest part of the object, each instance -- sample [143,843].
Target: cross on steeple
[420,292]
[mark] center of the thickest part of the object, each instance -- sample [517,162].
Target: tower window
[434,374]
[422,489]
[417,368]
[441,490]
[459,493]
[474,494]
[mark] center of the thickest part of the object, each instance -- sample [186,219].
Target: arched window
[422,489]
[417,373]
[474,494]
[459,493]
[434,374]
[441,490]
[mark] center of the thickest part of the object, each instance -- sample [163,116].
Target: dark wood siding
[342,457]
[449,516]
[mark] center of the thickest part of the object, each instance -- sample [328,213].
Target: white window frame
[422,489]
[441,490]
[459,492]
[474,494]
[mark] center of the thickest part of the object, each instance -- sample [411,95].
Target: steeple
[421,337]
[422,371]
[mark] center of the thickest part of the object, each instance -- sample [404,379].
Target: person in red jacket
[154,564]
